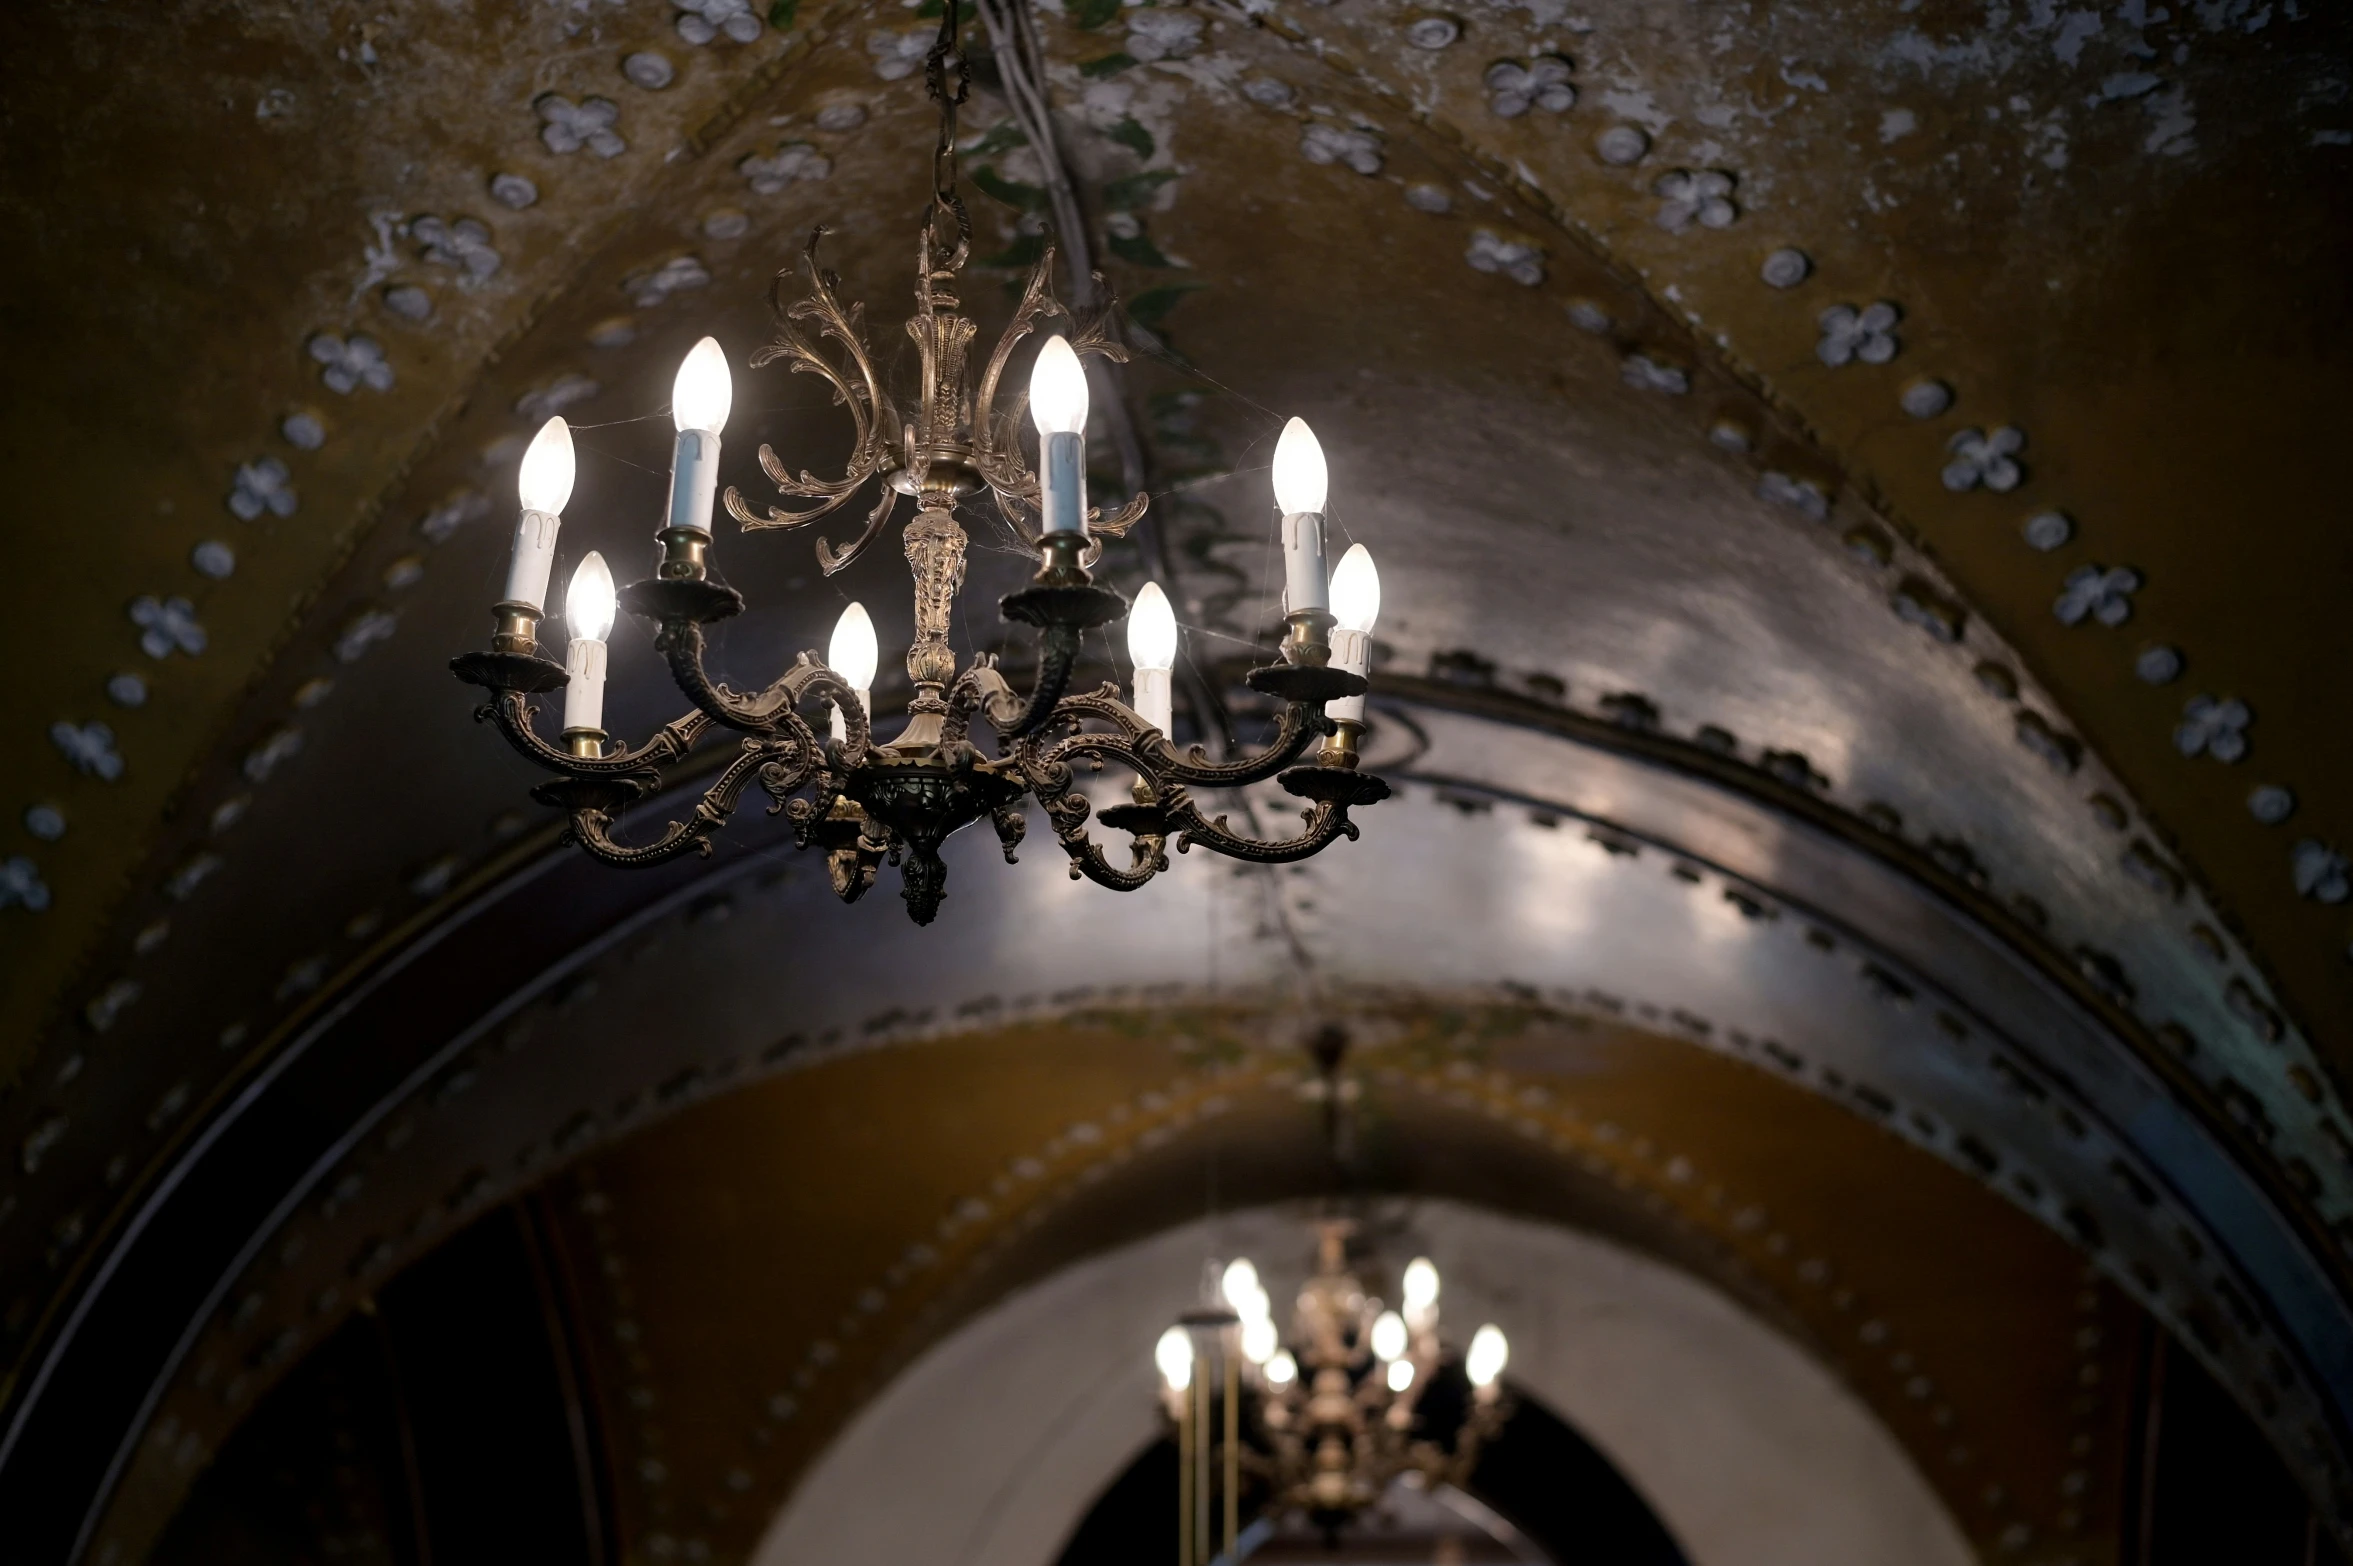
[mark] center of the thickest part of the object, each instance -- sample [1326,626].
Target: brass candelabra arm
[1301,726]
[513,712]
[681,642]
[1067,810]
[593,803]
[1326,822]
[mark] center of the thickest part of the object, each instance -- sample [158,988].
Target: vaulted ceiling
[1863,580]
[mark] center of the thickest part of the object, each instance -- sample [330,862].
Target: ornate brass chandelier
[863,801]
[1321,1423]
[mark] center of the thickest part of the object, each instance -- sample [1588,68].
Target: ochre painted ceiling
[2026,588]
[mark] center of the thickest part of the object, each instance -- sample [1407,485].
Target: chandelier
[863,801]
[1322,1422]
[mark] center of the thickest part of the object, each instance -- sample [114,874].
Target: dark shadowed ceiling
[1864,571]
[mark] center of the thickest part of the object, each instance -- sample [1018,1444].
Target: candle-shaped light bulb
[1421,1277]
[1282,1370]
[1487,1357]
[1400,1374]
[1301,479]
[1389,1336]
[1058,402]
[545,482]
[588,604]
[1356,590]
[1258,1339]
[1058,389]
[1174,1355]
[543,486]
[703,392]
[1152,643]
[1356,603]
[852,654]
[699,400]
[1240,1279]
[588,615]
[1300,484]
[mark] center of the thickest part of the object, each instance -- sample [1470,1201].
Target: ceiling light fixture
[1319,1428]
[862,801]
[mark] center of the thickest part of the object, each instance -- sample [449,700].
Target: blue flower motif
[1985,457]
[566,126]
[704,20]
[2321,873]
[2212,727]
[348,363]
[168,625]
[90,747]
[262,485]
[21,885]
[2102,593]
[1849,334]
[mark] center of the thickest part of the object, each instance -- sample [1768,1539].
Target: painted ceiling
[1863,575]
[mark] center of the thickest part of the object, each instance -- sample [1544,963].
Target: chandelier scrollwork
[1317,1422]
[865,802]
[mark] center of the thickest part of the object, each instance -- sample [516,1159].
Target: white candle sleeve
[1304,584]
[1153,702]
[584,698]
[694,476]
[1351,650]
[534,557]
[1062,481]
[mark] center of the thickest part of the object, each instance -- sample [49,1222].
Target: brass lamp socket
[1307,645]
[514,628]
[1061,552]
[587,744]
[1340,745]
[682,553]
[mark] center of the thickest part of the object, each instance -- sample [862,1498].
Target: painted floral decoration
[2320,872]
[464,245]
[700,21]
[1688,196]
[897,55]
[794,160]
[347,364]
[566,127]
[21,885]
[167,625]
[1491,252]
[648,289]
[1850,335]
[262,485]
[1643,373]
[2102,593]
[90,747]
[1359,150]
[1516,86]
[2213,727]
[1988,458]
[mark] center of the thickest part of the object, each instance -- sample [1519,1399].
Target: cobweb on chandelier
[863,802]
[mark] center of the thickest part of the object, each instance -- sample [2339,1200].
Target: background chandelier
[862,801]
[1321,1423]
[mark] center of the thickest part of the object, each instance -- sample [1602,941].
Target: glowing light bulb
[703,392]
[1356,590]
[1400,1374]
[588,603]
[1389,1336]
[1300,476]
[852,653]
[1258,1339]
[1174,1355]
[1152,643]
[1058,389]
[1487,1357]
[1282,1370]
[545,482]
[1421,1278]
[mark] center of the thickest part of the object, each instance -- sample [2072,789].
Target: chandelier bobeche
[862,801]
[1321,1421]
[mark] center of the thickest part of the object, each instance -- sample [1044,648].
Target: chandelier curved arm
[592,803]
[1067,810]
[871,412]
[1326,820]
[1302,725]
[681,641]
[998,440]
[513,713]
[831,560]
